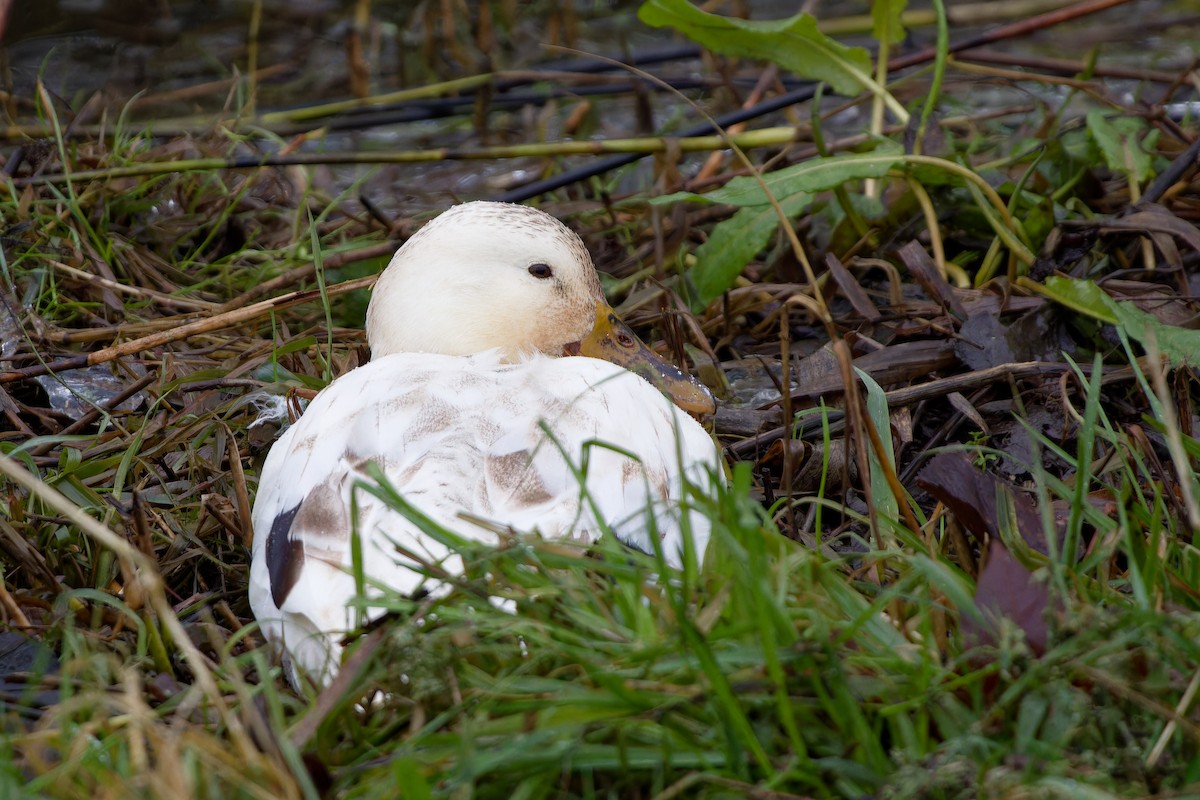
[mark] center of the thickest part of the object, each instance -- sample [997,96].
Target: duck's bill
[613,340]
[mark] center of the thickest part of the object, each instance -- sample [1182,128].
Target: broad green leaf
[887,20]
[1180,345]
[734,242]
[793,43]
[814,175]
[1082,296]
[1124,143]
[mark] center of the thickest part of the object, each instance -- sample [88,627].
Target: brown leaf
[809,462]
[923,268]
[990,335]
[1154,217]
[902,362]
[851,289]
[971,496]
[1006,589]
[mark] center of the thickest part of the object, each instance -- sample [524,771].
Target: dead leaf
[1006,589]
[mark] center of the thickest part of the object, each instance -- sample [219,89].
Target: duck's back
[562,446]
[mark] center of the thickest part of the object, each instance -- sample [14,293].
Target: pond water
[168,60]
[124,47]
[187,61]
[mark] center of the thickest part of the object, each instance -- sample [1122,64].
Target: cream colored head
[485,276]
[496,276]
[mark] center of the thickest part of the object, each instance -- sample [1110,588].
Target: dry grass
[834,646]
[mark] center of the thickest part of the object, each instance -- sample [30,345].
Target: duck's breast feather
[504,442]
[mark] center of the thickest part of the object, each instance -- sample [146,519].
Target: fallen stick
[216,322]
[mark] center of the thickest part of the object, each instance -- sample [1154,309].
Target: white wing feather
[461,437]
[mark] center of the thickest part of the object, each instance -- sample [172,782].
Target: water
[126,47]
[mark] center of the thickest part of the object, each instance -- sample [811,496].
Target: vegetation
[957,554]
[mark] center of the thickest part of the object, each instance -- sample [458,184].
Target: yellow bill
[613,340]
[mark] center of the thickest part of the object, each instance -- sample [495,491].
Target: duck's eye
[541,271]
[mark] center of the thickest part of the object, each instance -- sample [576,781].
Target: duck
[502,393]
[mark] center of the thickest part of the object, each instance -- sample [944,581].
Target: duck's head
[497,276]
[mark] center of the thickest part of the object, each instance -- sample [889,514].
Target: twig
[16,616]
[161,298]
[205,325]
[1181,168]
[766,137]
[702,130]
[293,276]
[1066,66]
[939,387]
[1012,30]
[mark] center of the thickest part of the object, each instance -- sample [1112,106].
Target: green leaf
[814,175]
[408,773]
[734,242]
[1122,143]
[1082,296]
[887,504]
[887,20]
[1180,345]
[295,346]
[793,43]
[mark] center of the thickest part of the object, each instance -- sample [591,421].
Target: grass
[857,636]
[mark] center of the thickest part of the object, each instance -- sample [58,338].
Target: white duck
[481,330]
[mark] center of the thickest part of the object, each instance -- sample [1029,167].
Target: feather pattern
[470,438]
[566,447]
